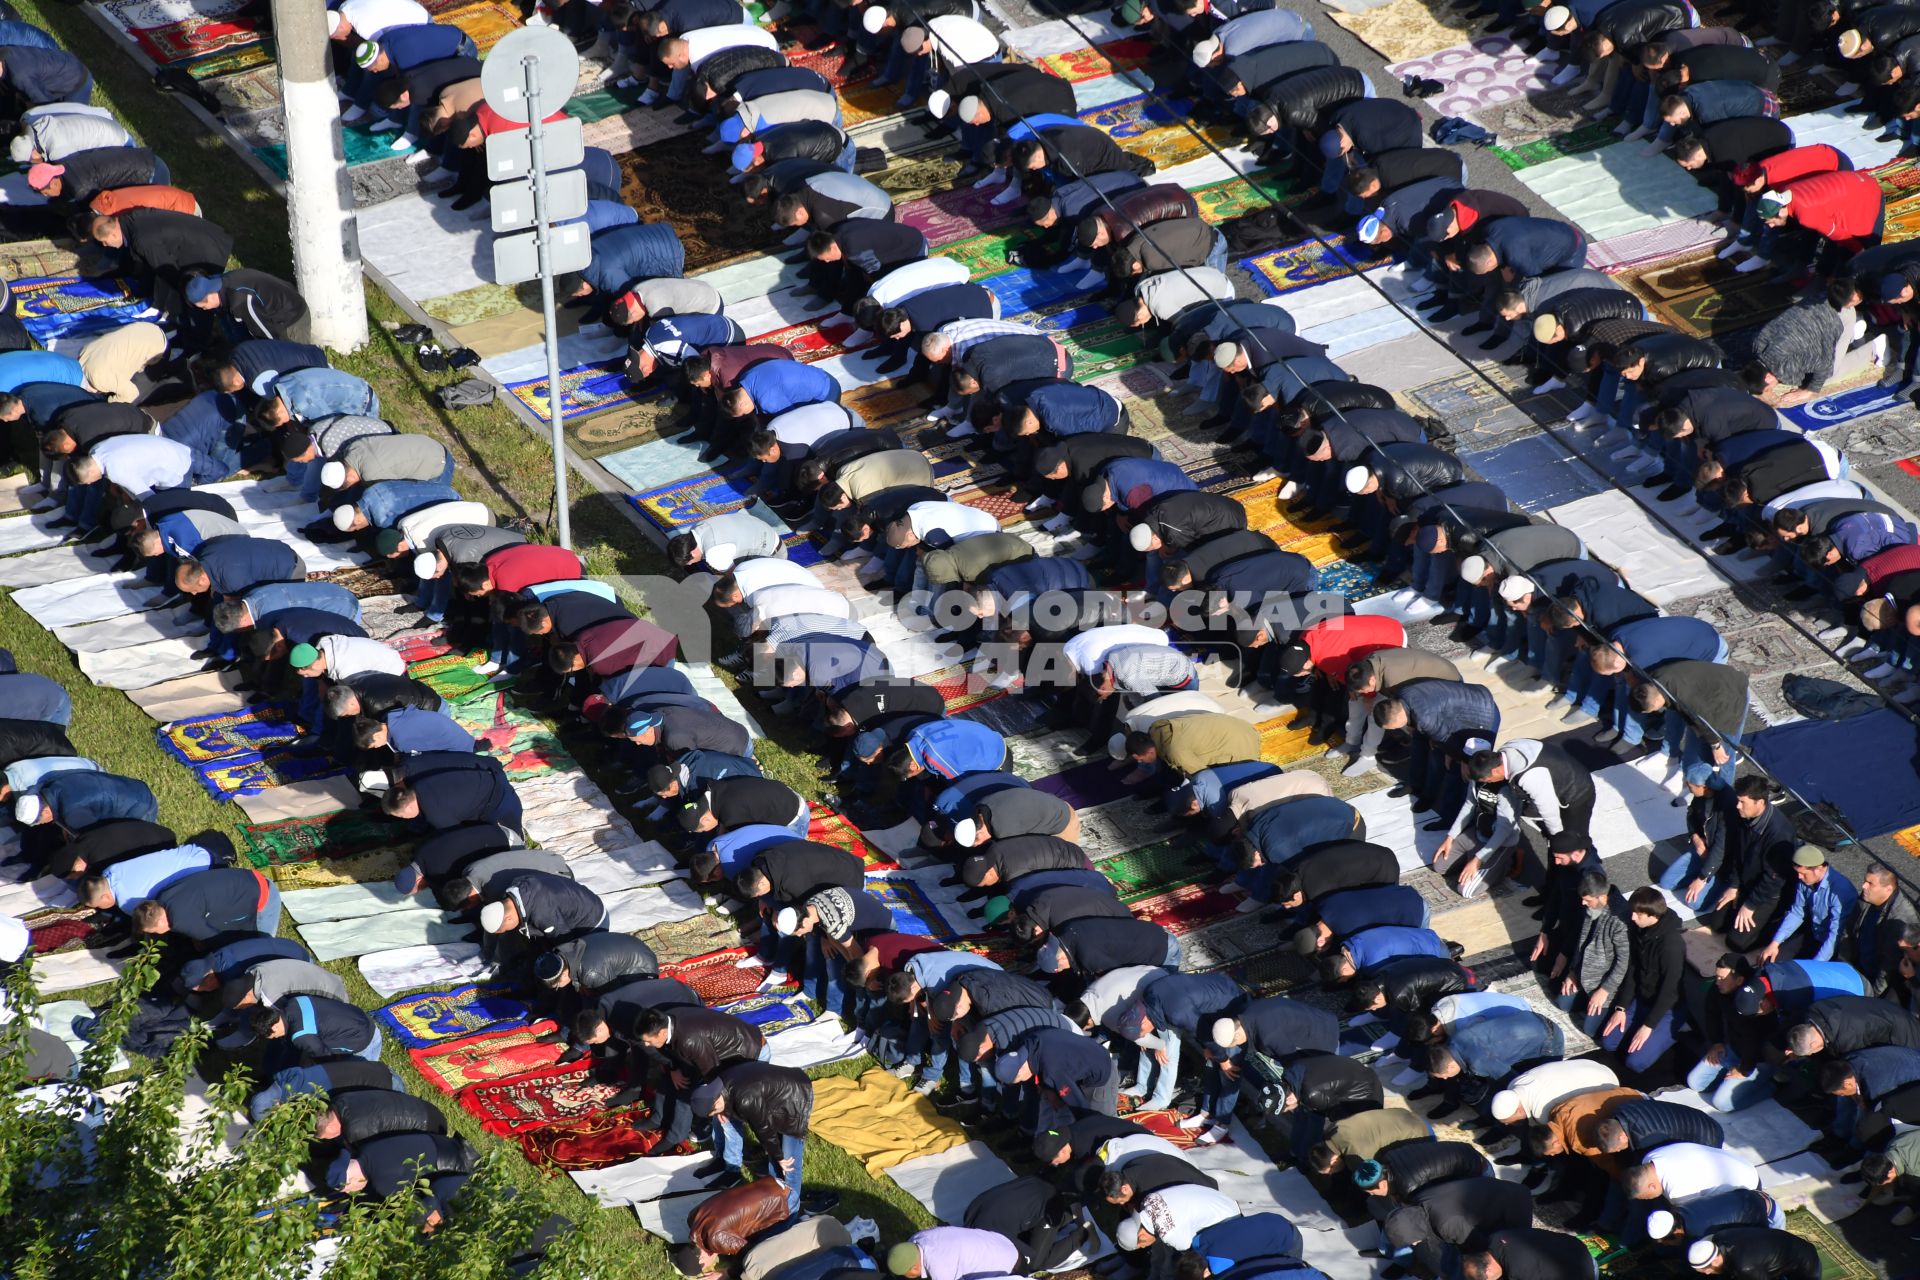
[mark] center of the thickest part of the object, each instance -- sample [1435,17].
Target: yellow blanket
[879,1121]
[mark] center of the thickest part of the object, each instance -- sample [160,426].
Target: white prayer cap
[1225,353]
[1556,17]
[493,917]
[1473,568]
[1659,1223]
[14,939]
[970,107]
[1701,1252]
[425,565]
[1514,588]
[1222,1032]
[1357,478]
[937,103]
[1140,537]
[343,517]
[333,475]
[21,149]
[1117,746]
[334,19]
[874,18]
[1505,1103]
[965,831]
[1127,1234]
[26,810]
[786,922]
[1206,51]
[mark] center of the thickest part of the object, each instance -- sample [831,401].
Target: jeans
[267,921]
[372,1050]
[1696,762]
[1659,1040]
[1161,1095]
[1683,871]
[1727,1092]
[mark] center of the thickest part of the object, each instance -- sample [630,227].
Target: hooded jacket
[1844,208]
[553,908]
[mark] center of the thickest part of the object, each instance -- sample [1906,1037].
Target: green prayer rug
[333,835]
[1588,137]
[1142,873]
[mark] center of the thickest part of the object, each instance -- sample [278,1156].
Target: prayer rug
[524,744]
[1157,868]
[718,977]
[677,940]
[827,827]
[1862,765]
[993,947]
[366,581]
[224,736]
[1482,73]
[1578,141]
[809,342]
[248,91]
[1096,782]
[27,258]
[372,867]
[1616,191]
[1831,411]
[1537,470]
[689,501]
[1355,582]
[451,675]
[268,130]
[672,182]
[195,37]
[1402,29]
[489,1056]
[960,687]
[1670,239]
[1300,266]
[435,1017]
[596,1142]
[953,216]
[599,104]
[1220,201]
[488,23]
[772,1013]
[60,929]
[626,427]
[584,389]
[879,1121]
[246,57]
[131,15]
[551,1095]
[1105,346]
[918,177]
[242,776]
[1076,65]
[1838,1261]
[1164,1125]
[1185,909]
[985,256]
[1903,220]
[913,911]
[72,306]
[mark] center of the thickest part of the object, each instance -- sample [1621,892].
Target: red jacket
[1843,207]
[622,644]
[492,122]
[1338,643]
[1790,165]
[530,564]
[1879,568]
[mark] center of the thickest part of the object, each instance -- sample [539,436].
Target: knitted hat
[1809,855]
[40,175]
[874,19]
[835,908]
[1702,1252]
[26,810]
[642,721]
[1357,478]
[1514,588]
[1544,326]
[1330,143]
[1891,283]
[903,1257]
[302,655]
[493,917]
[705,1097]
[425,565]
[365,52]
[337,1171]
[548,966]
[1206,51]
[1140,537]
[1368,1174]
[1474,568]
[343,517]
[1505,1103]
[868,741]
[1224,354]
[388,541]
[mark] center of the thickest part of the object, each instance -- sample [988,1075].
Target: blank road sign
[510,156]
[513,201]
[555,67]
[516,258]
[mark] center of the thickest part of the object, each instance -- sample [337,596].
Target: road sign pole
[536,146]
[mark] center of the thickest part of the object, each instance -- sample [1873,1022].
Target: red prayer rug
[828,827]
[194,37]
[489,1056]
[1164,1124]
[717,977]
[60,929]
[552,1095]
[1185,909]
[597,1142]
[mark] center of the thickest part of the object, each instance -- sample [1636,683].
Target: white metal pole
[536,147]
[320,209]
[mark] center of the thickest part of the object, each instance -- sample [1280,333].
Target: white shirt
[788,107]
[771,571]
[1170,706]
[141,464]
[1550,1084]
[352,655]
[1451,1010]
[903,282]
[1090,648]
[371,17]
[1191,1209]
[1818,491]
[804,426]
[418,527]
[1688,1169]
[955,519]
[788,599]
[958,40]
[1115,1152]
[1107,996]
[704,42]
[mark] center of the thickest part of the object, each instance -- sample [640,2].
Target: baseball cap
[1294,657]
[1891,283]
[690,815]
[1052,957]
[732,131]
[1514,588]
[1543,326]
[742,158]
[868,741]
[302,655]
[1206,51]
[365,52]
[1746,1001]
[1049,1143]
[705,1097]
[1440,225]
[493,917]
[26,810]
[39,175]
[1133,1020]
[642,721]
[973,872]
[343,517]
[425,565]
[1809,855]
[1127,1234]
[1007,1068]
[1473,568]
[1371,225]
[1330,143]
[1774,203]
[1357,478]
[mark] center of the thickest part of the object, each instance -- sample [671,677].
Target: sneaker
[1361,765]
[927,1088]
[905,1071]
[774,978]
[1263,475]
[1215,1136]
[1198,1120]
[487,668]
